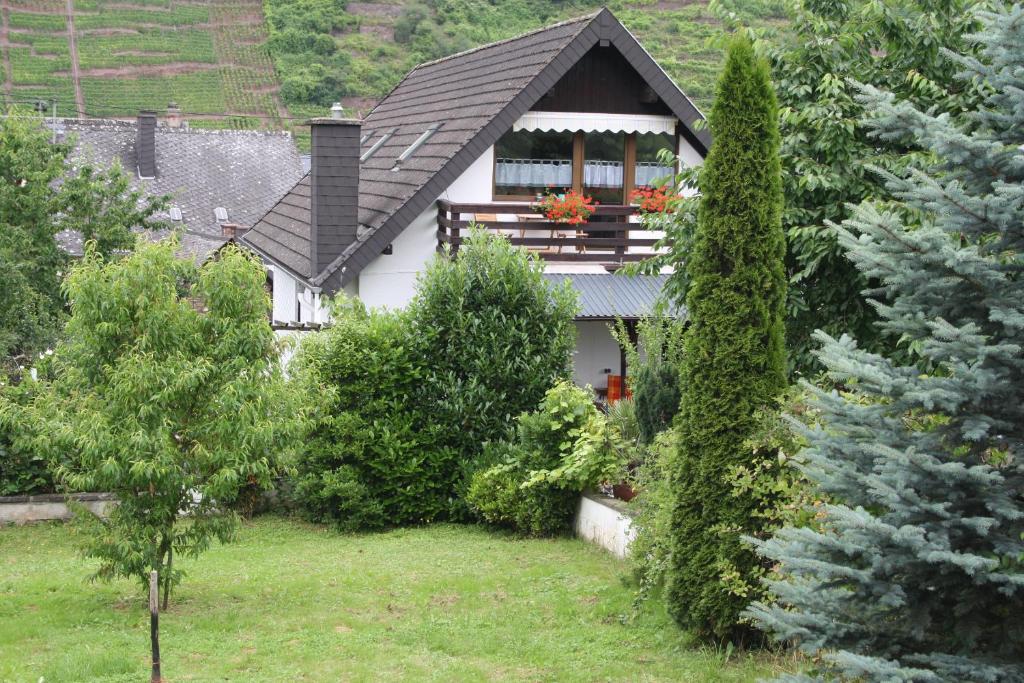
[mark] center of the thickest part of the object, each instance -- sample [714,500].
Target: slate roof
[605,296]
[245,172]
[476,95]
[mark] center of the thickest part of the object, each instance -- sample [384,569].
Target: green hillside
[270,63]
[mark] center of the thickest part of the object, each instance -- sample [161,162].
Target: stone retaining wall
[50,506]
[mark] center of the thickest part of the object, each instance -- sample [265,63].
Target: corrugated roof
[604,296]
[477,95]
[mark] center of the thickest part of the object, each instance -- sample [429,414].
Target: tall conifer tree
[918,575]
[734,360]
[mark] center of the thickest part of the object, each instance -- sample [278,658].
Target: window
[529,163]
[604,161]
[649,170]
[604,165]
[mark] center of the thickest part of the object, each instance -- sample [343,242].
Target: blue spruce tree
[916,573]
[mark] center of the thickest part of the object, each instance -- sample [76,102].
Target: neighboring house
[477,137]
[220,181]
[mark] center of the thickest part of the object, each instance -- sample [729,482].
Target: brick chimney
[232,230]
[173,117]
[334,185]
[145,145]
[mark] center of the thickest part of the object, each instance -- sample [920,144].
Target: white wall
[390,279]
[596,350]
[603,523]
[284,295]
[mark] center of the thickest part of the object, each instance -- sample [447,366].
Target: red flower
[573,208]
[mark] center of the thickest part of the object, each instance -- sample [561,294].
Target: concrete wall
[605,522]
[25,509]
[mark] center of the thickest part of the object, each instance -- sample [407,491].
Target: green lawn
[290,601]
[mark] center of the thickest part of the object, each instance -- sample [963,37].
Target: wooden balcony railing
[608,237]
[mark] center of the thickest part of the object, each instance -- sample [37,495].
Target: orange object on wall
[615,389]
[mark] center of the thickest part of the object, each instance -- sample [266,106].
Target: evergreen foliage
[916,574]
[825,153]
[168,392]
[499,336]
[734,358]
[373,459]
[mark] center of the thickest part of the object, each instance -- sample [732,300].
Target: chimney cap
[337,111]
[322,121]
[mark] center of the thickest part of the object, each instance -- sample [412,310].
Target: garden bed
[50,506]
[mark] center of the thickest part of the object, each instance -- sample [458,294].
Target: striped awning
[615,123]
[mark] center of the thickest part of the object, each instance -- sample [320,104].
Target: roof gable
[477,96]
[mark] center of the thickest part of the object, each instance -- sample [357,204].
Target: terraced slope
[101,58]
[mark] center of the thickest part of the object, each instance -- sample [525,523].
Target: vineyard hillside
[272,63]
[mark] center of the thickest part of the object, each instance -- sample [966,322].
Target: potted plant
[572,208]
[653,200]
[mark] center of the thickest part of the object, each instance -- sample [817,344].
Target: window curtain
[649,171]
[533,172]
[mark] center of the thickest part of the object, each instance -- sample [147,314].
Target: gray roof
[605,296]
[245,172]
[476,95]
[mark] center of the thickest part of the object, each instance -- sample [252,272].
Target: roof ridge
[565,22]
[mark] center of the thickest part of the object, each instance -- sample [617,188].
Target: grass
[290,601]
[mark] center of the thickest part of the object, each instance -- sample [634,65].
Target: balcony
[611,237]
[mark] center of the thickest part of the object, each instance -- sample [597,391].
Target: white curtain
[533,172]
[558,173]
[649,171]
[602,174]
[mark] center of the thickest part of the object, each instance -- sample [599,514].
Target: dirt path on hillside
[4,31]
[73,50]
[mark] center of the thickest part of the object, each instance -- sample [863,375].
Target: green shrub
[655,380]
[734,360]
[499,336]
[375,458]
[22,471]
[532,482]
[652,519]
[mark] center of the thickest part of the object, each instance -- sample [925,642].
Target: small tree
[499,336]
[734,357]
[168,393]
[917,575]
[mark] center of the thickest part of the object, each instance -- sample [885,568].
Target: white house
[476,137]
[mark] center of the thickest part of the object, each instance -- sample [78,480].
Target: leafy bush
[534,480]
[375,458]
[652,518]
[305,51]
[22,471]
[498,337]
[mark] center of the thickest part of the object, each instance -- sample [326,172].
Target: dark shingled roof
[476,95]
[605,296]
[243,171]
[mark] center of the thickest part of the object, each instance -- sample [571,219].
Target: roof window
[175,213]
[377,145]
[220,213]
[416,145]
